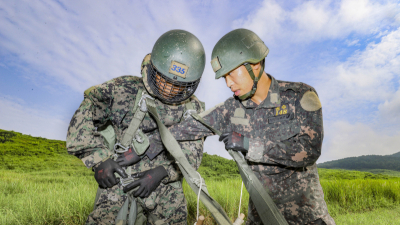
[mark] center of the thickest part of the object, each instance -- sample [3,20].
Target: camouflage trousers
[254,219]
[286,190]
[165,205]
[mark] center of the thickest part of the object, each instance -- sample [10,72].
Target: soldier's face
[167,89]
[239,81]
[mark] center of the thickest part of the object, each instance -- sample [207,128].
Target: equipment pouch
[140,142]
[150,201]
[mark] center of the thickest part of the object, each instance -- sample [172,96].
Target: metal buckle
[137,137]
[143,107]
[126,181]
[125,149]
[188,113]
[115,156]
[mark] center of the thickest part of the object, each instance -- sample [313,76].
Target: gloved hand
[235,141]
[128,158]
[104,173]
[148,182]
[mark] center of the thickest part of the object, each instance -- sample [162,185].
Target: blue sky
[349,50]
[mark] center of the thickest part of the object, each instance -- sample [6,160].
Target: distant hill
[366,163]
[26,153]
[29,154]
[396,154]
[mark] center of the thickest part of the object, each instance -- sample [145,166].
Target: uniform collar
[272,100]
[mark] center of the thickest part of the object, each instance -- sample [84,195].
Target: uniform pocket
[176,184]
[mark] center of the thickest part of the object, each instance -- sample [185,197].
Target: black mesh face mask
[167,89]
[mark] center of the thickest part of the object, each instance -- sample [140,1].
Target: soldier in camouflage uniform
[276,124]
[160,193]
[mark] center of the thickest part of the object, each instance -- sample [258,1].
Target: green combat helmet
[236,48]
[176,65]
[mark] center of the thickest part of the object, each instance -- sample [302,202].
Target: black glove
[148,182]
[235,141]
[128,158]
[104,173]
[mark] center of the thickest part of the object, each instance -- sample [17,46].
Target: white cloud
[15,116]
[86,43]
[318,20]
[82,43]
[390,110]
[349,140]
[367,77]
[266,21]
[352,42]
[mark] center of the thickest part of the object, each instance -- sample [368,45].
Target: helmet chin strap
[255,81]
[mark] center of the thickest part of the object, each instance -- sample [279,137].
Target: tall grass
[350,196]
[66,197]
[226,193]
[45,198]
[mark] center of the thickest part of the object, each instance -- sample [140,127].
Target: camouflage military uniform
[285,138]
[112,102]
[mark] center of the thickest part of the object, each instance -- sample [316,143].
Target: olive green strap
[255,81]
[123,212]
[135,122]
[109,136]
[266,208]
[187,170]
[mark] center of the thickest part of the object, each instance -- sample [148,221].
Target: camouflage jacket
[112,102]
[285,134]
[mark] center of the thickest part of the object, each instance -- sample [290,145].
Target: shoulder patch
[310,101]
[86,93]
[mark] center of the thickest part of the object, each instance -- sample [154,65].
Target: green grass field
[66,197]
[41,184]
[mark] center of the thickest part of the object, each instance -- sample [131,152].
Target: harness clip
[126,181]
[143,107]
[188,113]
[125,149]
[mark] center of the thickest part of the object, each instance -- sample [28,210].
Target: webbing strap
[187,170]
[266,208]
[134,125]
[255,81]
[123,212]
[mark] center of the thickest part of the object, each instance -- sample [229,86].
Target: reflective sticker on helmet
[178,69]
[215,64]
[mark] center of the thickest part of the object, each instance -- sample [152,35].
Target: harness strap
[139,109]
[187,170]
[255,81]
[135,122]
[266,208]
[123,212]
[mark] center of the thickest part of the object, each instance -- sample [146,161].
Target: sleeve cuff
[97,156]
[256,151]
